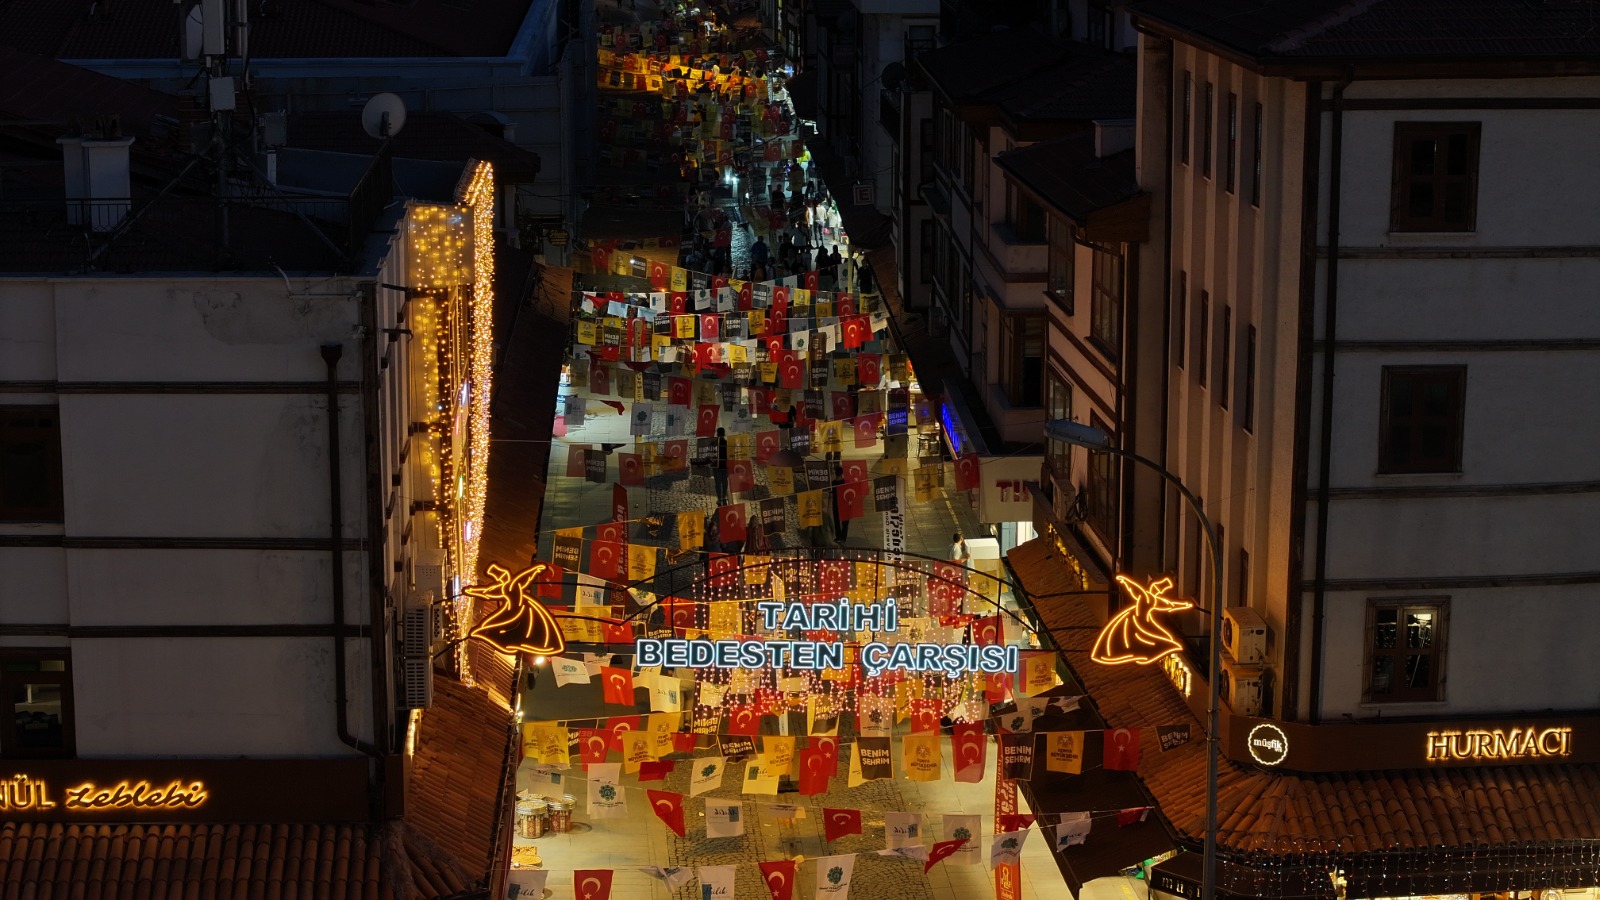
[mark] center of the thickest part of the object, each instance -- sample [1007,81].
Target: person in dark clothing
[758,252]
[719,469]
[841,525]
[864,276]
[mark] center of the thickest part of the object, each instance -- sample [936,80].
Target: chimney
[97,181]
[1112,136]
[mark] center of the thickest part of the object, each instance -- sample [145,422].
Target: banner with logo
[833,876]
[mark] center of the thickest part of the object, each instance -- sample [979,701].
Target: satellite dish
[894,75]
[383,116]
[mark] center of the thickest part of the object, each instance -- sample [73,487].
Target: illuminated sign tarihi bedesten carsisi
[876,657]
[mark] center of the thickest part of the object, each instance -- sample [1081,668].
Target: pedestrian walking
[719,470]
[958,549]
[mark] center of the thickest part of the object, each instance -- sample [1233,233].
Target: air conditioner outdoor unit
[416,632]
[427,573]
[418,688]
[1244,635]
[1241,688]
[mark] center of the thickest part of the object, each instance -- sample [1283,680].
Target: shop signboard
[1003,495]
[181,790]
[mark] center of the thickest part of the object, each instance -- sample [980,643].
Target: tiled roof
[1347,813]
[970,68]
[1089,84]
[35,88]
[460,765]
[1381,29]
[91,862]
[337,29]
[438,136]
[1066,173]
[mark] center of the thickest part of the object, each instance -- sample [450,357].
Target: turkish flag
[829,746]
[761,400]
[855,330]
[617,726]
[851,498]
[843,404]
[836,823]
[814,772]
[779,877]
[677,455]
[723,568]
[744,720]
[844,304]
[969,749]
[677,303]
[986,631]
[706,356]
[856,470]
[1132,815]
[600,258]
[774,345]
[944,597]
[792,370]
[995,686]
[967,472]
[618,684]
[767,443]
[730,522]
[705,421]
[741,477]
[746,296]
[942,849]
[834,577]
[593,745]
[723,236]
[632,469]
[924,715]
[617,632]
[668,807]
[678,611]
[656,770]
[660,275]
[684,741]
[869,370]
[718,282]
[780,302]
[866,430]
[599,378]
[591,884]
[550,581]
[679,391]
[1121,749]
[811,279]
[606,560]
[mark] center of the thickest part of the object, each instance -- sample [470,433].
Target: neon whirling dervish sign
[520,624]
[1135,635]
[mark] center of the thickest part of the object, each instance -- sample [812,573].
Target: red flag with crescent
[791,371]
[866,430]
[869,369]
[741,477]
[660,275]
[851,499]
[656,769]
[744,720]
[844,304]
[834,576]
[779,878]
[678,611]
[684,741]
[836,823]
[855,331]
[618,685]
[617,726]
[995,685]
[814,772]
[967,472]
[1122,749]
[593,745]
[857,470]
[680,391]
[550,580]
[591,884]
[843,404]
[616,531]
[600,258]
[617,633]
[767,443]
[677,455]
[730,521]
[774,345]
[632,469]
[668,807]
[705,420]
[941,850]
[829,746]
[606,560]
[924,715]
[677,303]
[970,748]
[811,279]
[761,398]
[780,302]
[723,568]
[599,377]
[718,282]
[986,631]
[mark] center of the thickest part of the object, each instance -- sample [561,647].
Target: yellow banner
[811,508]
[691,529]
[920,756]
[1063,751]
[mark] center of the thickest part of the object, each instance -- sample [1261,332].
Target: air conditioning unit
[427,573]
[417,692]
[1244,635]
[1241,688]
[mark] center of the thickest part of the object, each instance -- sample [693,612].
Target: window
[1106,302]
[30,464]
[1224,355]
[1062,247]
[1180,318]
[1058,405]
[1233,140]
[38,684]
[1405,650]
[1422,413]
[1208,123]
[926,151]
[1099,25]
[1186,125]
[1100,500]
[1202,340]
[1243,597]
[1247,403]
[928,251]
[1255,162]
[1025,217]
[1435,176]
[1022,355]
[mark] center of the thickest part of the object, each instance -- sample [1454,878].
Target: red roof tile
[1350,812]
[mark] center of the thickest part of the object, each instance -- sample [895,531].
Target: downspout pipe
[1330,321]
[341,699]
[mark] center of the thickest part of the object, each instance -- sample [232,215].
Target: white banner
[706,774]
[544,780]
[526,884]
[901,829]
[965,828]
[607,799]
[1007,848]
[724,819]
[1073,829]
[717,882]
[674,876]
[569,671]
[833,876]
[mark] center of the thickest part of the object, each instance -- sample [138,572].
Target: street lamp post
[1098,441]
